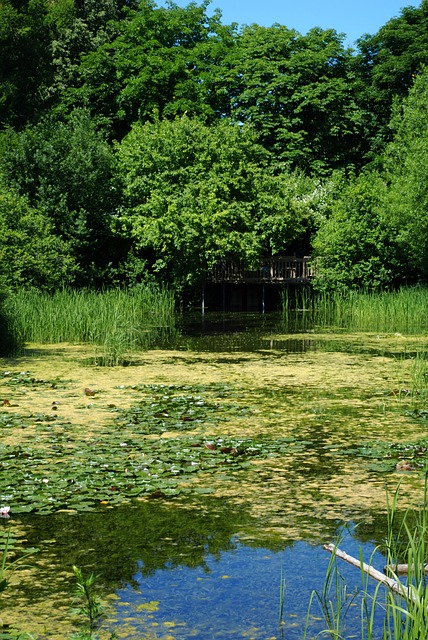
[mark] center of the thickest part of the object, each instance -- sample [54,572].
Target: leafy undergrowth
[151,449]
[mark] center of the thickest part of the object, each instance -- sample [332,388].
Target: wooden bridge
[284,269]
[231,286]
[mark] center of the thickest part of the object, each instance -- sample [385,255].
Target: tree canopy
[197,194]
[148,141]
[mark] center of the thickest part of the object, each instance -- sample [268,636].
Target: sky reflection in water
[237,595]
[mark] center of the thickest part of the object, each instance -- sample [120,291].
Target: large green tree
[385,68]
[42,43]
[297,93]
[197,194]
[25,60]
[161,61]
[65,169]
[406,170]
[356,245]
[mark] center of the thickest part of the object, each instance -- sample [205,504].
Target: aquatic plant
[88,604]
[282,587]
[123,460]
[7,568]
[334,601]
[116,321]
[402,311]
[405,599]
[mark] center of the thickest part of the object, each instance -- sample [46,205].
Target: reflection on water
[239,595]
[255,333]
[236,596]
[237,332]
[205,567]
[182,570]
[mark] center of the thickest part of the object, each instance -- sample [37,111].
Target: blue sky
[352,17]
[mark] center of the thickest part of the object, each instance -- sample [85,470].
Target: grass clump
[116,322]
[402,311]
[405,606]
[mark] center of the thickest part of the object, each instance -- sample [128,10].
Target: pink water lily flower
[4,512]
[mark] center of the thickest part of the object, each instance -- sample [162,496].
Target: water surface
[201,555]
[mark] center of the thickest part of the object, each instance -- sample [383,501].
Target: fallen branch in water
[394,585]
[402,569]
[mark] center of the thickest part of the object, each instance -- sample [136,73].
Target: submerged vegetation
[267,429]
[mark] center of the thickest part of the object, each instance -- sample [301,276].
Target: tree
[25,60]
[196,195]
[386,66]
[161,61]
[31,255]
[356,246]
[79,27]
[406,201]
[297,93]
[65,168]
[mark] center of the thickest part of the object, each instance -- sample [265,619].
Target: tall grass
[403,311]
[405,616]
[117,321]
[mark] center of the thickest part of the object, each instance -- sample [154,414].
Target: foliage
[42,44]
[25,67]
[116,322]
[90,606]
[385,68]
[219,133]
[7,566]
[30,253]
[404,607]
[401,310]
[162,60]
[65,170]
[297,93]
[128,458]
[196,195]
[406,202]
[334,602]
[357,246]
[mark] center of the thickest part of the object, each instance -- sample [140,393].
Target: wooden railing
[273,270]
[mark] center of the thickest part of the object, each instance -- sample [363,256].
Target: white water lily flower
[4,512]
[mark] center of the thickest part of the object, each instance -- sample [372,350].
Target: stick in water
[399,588]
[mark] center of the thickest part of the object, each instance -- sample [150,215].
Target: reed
[405,617]
[407,541]
[402,311]
[116,321]
[334,602]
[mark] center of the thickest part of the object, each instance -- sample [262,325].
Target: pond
[200,482]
